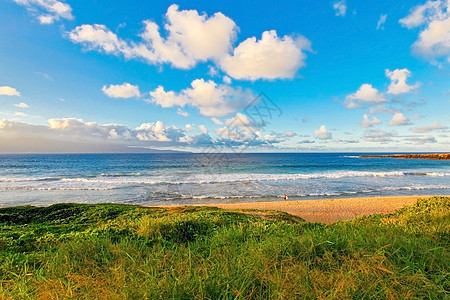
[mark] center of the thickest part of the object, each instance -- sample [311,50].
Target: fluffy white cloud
[398,119]
[211,99]
[191,37]
[433,41]
[398,81]
[340,8]
[88,130]
[239,129]
[432,127]
[269,58]
[239,120]
[21,105]
[74,135]
[99,37]
[381,21]
[152,132]
[365,94]
[8,91]
[125,90]
[366,122]
[48,11]
[322,133]
[203,129]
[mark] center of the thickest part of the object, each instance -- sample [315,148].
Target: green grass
[111,251]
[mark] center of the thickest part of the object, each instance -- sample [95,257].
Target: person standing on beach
[285,197]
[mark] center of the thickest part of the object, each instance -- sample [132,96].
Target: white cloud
[191,38]
[80,130]
[240,120]
[379,136]
[226,79]
[188,127]
[369,123]
[125,90]
[422,14]
[152,132]
[74,135]
[20,114]
[289,133]
[99,37]
[216,121]
[340,8]
[398,81]
[271,57]
[211,99]
[146,132]
[426,139]
[203,129]
[322,133]
[47,11]
[365,94]
[8,91]
[21,105]
[433,127]
[398,120]
[239,129]
[381,21]
[350,141]
[433,41]
[212,71]
[182,113]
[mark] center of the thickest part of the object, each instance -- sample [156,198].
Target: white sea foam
[204,178]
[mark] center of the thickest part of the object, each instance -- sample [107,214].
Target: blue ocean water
[185,178]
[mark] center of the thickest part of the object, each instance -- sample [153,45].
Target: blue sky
[85,76]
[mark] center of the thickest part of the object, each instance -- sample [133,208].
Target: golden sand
[329,210]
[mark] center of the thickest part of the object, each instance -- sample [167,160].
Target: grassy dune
[118,251]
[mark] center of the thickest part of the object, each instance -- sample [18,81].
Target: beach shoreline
[324,210]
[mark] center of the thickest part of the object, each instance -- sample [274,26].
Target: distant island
[437,156]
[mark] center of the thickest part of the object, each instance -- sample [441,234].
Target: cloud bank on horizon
[191,80]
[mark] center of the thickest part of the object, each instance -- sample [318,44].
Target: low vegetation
[112,251]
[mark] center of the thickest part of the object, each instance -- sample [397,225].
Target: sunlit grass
[117,251]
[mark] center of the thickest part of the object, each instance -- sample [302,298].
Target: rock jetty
[437,156]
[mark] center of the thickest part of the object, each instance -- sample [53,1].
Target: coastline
[433,156]
[324,210]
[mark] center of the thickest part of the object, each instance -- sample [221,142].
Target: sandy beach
[329,210]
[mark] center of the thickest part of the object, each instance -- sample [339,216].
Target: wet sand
[329,210]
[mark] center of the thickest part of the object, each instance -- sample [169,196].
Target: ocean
[186,178]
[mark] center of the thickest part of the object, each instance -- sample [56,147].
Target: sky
[224,76]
